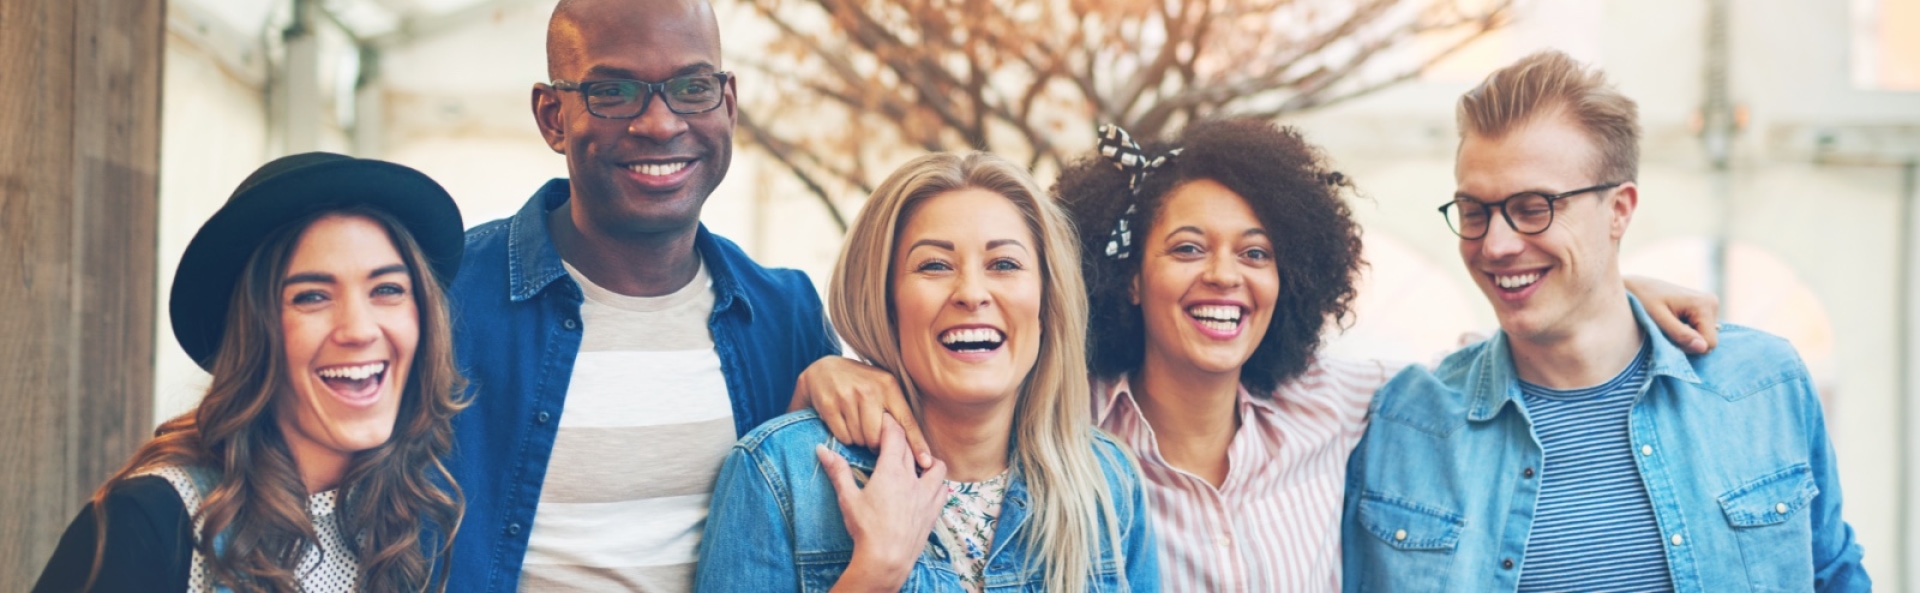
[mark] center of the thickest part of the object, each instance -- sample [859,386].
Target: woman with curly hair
[313,297]
[1214,265]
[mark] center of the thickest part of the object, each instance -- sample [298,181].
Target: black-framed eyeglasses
[627,99]
[1528,213]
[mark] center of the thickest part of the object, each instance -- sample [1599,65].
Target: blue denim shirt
[516,329]
[775,524]
[1731,445]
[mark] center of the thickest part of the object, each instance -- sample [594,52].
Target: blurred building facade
[1805,222]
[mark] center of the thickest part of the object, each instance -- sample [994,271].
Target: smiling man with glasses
[615,347]
[1578,449]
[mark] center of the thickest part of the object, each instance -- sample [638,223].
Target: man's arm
[1690,318]
[854,399]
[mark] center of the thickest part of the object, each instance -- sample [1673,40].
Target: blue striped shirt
[1594,527]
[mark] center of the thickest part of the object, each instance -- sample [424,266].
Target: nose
[971,292]
[657,121]
[1501,240]
[353,323]
[1223,269]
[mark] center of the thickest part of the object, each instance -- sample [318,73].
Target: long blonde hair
[389,493]
[1053,448]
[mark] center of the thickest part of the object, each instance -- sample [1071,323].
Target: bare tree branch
[874,77]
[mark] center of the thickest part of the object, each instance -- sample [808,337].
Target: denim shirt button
[542,417]
[1400,535]
[1526,473]
[1780,508]
[1507,564]
[513,529]
[1677,540]
[571,324]
[1646,450]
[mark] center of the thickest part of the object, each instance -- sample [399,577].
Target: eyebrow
[998,243]
[325,278]
[613,72]
[947,245]
[1461,194]
[1196,230]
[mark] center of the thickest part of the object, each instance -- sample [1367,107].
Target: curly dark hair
[1290,188]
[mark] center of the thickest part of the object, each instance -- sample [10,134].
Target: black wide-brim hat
[283,191]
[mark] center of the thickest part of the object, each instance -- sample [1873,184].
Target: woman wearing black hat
[314,299]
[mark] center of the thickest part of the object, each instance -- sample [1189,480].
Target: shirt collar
[1111,394]
[1495,382]
[533,263]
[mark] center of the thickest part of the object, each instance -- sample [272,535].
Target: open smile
[1517,285]
[356,384]
[1218,321]
[973,343]
[663,175]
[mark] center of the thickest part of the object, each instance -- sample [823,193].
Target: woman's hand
[853,398]
[889,519]
[1689,318]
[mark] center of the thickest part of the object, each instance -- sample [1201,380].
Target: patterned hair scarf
[1118,146]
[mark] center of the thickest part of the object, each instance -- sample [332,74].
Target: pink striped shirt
[1274,523]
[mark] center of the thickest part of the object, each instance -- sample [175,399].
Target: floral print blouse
[967,522]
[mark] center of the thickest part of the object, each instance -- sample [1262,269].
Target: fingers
[838,424]
[1710,331]
[872,421]
[1677,331]
[837,471]
[893,443]
[898,410]
[933,483]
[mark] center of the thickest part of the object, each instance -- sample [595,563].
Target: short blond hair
[1550,82]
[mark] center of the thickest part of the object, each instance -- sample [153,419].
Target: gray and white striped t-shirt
[646,424]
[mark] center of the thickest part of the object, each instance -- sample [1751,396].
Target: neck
[634,264]
[971,440]
[1194,414]
[1591,349]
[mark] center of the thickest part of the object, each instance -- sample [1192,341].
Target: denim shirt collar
[1496,383]
[533,263]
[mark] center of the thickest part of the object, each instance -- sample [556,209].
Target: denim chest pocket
[1412,544]
[820,570]
[1105,579]
[1772,523]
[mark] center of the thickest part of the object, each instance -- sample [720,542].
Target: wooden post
[79,158]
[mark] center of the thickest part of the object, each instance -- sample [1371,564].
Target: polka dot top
[328,568]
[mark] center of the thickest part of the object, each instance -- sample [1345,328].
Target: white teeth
[1217,325]
[657,169]
[1227,314]
[972,335]
[1519,281]
[354,373]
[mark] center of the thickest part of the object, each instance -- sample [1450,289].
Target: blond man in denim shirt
[1577,449]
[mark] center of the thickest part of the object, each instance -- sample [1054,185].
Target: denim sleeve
[1351,556]
[748,543]
[1143,554]
[1836,555]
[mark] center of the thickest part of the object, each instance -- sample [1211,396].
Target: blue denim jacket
[1731,445]
[516,329]
[775,524]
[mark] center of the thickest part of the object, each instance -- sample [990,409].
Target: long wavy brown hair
[390,494]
